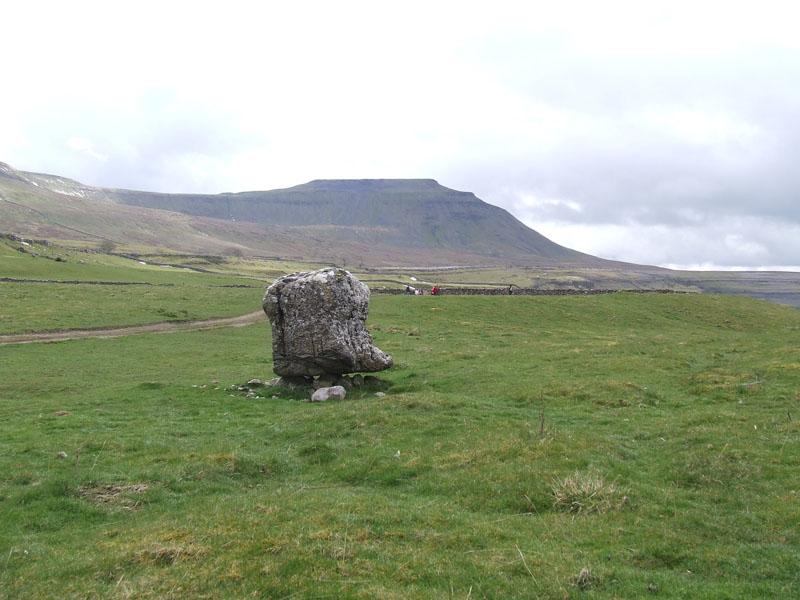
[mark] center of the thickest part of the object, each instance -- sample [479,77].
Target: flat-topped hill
[408,213]
[410,221]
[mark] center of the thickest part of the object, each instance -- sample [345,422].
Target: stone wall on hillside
[464,291]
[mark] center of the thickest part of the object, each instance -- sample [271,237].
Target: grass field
[616,446]
[138,293]
[42,307]
[39,262]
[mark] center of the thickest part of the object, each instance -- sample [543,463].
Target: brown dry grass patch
[585,493]
[114,497]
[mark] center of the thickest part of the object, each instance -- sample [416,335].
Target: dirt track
[74,334]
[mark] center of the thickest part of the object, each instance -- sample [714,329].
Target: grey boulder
[318,325]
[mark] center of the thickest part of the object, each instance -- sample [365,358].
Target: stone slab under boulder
[318,325]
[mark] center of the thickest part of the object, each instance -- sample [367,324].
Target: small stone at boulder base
[254,383]
[336,392]
[318,325]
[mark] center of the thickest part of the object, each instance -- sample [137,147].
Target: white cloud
[700,128]
[531,201]
[83,145]
[749,243]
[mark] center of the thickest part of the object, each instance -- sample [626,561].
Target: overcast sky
[653,132]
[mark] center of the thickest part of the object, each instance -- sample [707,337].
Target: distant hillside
[413,213]
[421,220]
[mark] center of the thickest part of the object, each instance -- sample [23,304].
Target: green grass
[170,294]
[78,265]
[259,269]
[37,307]
[671,419]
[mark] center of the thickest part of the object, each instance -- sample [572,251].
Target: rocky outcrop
[318,325]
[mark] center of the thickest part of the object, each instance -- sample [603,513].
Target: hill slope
[418,217]
[415,213]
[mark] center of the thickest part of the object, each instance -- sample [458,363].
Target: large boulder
[318,325]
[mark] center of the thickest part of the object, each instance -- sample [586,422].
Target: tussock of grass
[586,493]
[586,579]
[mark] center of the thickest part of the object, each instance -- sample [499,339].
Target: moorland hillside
[416,221]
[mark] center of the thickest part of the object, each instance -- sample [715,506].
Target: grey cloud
[729,198]
[624,168]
